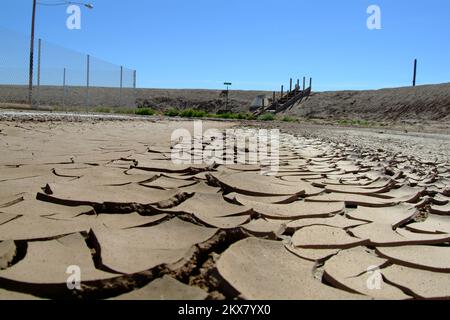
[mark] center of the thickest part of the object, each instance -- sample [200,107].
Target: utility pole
[30,83]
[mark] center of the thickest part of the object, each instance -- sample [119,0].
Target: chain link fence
[63,79]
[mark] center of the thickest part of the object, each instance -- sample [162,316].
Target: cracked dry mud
[106,197]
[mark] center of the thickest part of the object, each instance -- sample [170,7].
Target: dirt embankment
[76,98]
[412,104]
[208,100]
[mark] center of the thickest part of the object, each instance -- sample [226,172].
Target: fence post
[304,83]
[87,81]
[274,98]
[415,72]
[64,90]
[39,74]
[310,83]
[134,87]
[282,91]
[121,86]
[290,86]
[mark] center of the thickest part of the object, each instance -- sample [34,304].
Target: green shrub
[343,122]
[234,116]
[227,115]
[172,113]
[102,110]
[145,112]
[245,116]
[200,114]
[191,113]
[188,113]
[267,117]
[288,119]
[365,123]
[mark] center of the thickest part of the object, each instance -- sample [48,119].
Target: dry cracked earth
[335,222]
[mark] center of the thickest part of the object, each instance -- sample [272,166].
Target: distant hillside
[430,102]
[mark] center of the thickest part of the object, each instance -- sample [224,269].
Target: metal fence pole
[415,73]
[87,81]
[121,86]
[39,74]
[64,90]
[134,86]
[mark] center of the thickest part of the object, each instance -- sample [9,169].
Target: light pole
[227,84]
[33,23]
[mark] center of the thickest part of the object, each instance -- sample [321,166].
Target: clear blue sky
[254,44]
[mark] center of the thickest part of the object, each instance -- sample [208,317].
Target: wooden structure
[287,100]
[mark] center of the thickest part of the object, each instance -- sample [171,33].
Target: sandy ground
[96,208]
[433,145]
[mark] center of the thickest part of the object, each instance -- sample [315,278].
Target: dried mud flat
[338,221]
